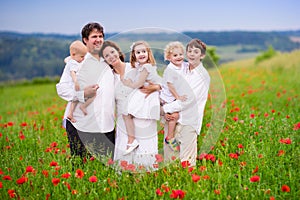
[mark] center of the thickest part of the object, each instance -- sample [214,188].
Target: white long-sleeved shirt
[100,117]
[191,111]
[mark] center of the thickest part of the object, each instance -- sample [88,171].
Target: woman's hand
[150,88]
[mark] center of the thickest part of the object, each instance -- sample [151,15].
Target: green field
[256,155]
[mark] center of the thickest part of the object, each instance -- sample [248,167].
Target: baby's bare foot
[83,109]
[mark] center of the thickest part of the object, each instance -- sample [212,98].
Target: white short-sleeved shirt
[170,77]
[72,65]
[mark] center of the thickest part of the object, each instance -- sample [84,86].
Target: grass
[259,141]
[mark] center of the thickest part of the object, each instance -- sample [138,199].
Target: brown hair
[133,59]
[109,43]
[88,28]
[197,44]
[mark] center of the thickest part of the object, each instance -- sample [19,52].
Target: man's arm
[69,94]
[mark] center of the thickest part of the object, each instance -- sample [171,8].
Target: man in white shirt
[190,111]
[95,130]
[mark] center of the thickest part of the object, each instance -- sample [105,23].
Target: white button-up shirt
[191,111]
[100,117]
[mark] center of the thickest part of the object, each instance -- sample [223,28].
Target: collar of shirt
[195,70]
[172,66]
[89,55]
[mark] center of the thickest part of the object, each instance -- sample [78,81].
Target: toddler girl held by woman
[140,105]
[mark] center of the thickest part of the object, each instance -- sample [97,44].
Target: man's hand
[90,91]
[172,116]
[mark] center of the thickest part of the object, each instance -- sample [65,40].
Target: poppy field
[256,155]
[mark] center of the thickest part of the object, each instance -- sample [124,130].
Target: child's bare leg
[86,104]
[171,129]
[128,119]
[70,114]
[132,143]
[170,139]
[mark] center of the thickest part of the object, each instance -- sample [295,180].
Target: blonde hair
[170,47]
[133,59]
[77,47]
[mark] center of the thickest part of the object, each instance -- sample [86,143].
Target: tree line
[26,56]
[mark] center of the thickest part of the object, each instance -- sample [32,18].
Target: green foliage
[211,51]
[265,55]
[25,56]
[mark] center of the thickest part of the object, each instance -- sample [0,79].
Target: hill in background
[25,56]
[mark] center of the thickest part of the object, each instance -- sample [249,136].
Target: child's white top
[72,65]
[152,76]
[171,75]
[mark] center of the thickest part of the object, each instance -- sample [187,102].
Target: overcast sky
[69,16]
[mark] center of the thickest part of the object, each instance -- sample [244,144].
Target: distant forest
[26,56]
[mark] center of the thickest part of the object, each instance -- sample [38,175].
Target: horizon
[131,32]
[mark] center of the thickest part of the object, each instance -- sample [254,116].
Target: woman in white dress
[142,157]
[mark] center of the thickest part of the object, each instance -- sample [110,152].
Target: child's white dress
[138,105]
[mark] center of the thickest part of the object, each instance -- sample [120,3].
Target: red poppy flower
[177,194]
[281,152]
[255,170]
[285,188]
[55,181]
[234,156]
[217,192]
[79,173]
[159,158]
[7,177]
[22,180]
[191,169]
[23,124]
[93,179]
[185,164]
[66,175]
[235,119]
[68,185]
[206,177]
[29,169]
[285,141]
[1,185]
[53,164]
[10,123]
[252,116]
[45,173]
[296,126]
[159,192]
[165,188]
[240,146]
[130,167]
[53,144]
[11,193]
[195,178]
[254,179]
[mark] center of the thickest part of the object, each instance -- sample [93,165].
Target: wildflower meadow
[256,154]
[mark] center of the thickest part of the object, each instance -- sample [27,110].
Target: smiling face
[176,56]
[94,42]
[141,54]
[194,56]
[111,56]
